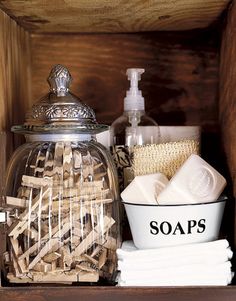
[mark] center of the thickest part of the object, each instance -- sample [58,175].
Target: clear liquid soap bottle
[133,127]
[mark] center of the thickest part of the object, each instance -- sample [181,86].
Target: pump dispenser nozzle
[134,99]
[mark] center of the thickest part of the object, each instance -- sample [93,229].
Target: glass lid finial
[60,109]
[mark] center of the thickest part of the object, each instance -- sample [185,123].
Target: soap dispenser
[133,127]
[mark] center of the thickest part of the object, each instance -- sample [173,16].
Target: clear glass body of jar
[65,227]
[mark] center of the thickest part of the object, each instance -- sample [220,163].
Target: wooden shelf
[117,293]
[113,16]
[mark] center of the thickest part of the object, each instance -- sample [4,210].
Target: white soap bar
[145,189]
[2,217]
[195,182]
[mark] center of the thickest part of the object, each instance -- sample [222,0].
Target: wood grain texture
[113,16]
[227,104]
[118,293]
[14,89]
[14,75]
[180,83]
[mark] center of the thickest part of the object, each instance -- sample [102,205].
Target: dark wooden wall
[14,83]
[180,84]
[227,103]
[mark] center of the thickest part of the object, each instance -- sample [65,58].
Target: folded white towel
[195,264]
[175,260]
[183,281]
[191,271]
[129,251]
[219,275]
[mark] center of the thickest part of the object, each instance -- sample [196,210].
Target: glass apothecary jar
[61,195]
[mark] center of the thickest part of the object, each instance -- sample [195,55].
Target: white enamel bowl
[155,226]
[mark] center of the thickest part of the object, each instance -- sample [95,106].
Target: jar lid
[60,111]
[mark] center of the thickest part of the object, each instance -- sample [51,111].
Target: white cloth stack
[194,264]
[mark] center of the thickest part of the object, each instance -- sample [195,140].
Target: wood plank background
[113,16]
[14,90]
[227,103]
[14,77]
[180,84]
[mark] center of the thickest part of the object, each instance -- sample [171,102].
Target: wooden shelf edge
[86,293]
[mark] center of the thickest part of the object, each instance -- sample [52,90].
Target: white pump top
[134,99]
